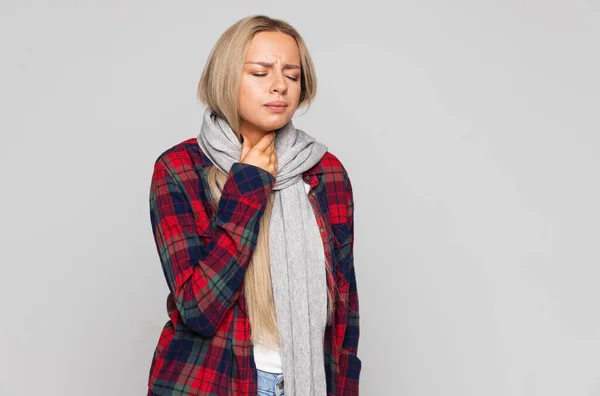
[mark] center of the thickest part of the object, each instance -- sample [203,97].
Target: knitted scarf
[296,250]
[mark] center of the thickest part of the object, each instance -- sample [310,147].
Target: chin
[276,121]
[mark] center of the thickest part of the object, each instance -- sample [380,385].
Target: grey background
[469,129]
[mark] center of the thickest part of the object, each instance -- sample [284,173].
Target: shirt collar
[310,175]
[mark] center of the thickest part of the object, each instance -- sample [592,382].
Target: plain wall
[470,133]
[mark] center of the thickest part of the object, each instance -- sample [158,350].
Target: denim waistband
[270,383]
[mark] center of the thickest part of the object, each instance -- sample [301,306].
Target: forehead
[272,46]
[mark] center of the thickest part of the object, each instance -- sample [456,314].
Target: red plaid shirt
[205,246]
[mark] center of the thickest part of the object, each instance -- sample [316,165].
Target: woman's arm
[350,364]
[205,279]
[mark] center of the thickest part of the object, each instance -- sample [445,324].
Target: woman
[253,224]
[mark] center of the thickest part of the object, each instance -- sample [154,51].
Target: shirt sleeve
[205,278]
[350,364]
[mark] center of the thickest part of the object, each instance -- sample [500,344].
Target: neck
[251,134]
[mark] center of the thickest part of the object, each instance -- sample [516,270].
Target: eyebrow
[267,64]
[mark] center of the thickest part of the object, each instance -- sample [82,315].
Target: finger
[265,142]
[269,150]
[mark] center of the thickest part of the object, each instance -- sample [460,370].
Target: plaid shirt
[205,246]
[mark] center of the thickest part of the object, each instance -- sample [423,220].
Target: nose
[279,84]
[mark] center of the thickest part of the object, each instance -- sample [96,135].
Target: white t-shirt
[267,358]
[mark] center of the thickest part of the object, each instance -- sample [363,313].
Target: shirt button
[306,177]
[313,193]
[321,229]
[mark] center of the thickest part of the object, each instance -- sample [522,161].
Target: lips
[277,103]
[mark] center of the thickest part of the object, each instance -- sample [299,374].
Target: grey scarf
[296,250]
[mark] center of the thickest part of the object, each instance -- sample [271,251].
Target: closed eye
[262,75]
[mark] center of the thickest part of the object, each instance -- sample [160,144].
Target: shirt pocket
[341,234]
[342,252]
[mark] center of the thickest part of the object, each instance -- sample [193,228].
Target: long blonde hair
[218,89]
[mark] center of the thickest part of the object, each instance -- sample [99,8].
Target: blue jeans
[270,384]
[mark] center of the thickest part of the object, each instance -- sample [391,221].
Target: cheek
[251,85]
[294,92]
[248,95]
[245,89]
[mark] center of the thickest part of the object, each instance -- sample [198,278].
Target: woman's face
[271,74]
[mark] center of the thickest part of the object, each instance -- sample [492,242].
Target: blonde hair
[218,89]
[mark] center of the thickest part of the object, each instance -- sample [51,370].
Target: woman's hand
[262,154]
